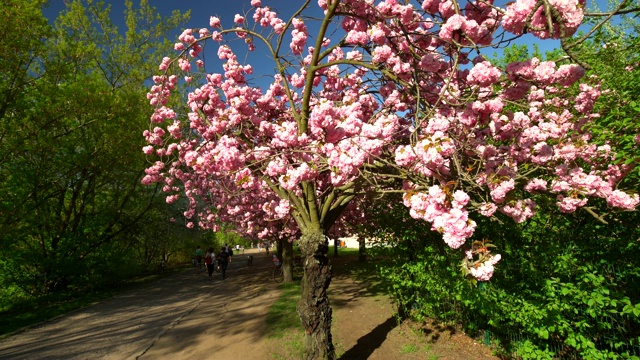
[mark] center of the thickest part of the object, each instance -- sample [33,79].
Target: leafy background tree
[72,108]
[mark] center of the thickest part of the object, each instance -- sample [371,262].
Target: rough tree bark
[314,308]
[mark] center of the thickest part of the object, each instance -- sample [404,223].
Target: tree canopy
[386,96]
[71,100]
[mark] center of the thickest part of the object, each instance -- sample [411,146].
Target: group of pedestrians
[265,246]
[222,259]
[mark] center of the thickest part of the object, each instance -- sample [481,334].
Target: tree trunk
[314,308]
[287,259]
[336,244]
[362,249]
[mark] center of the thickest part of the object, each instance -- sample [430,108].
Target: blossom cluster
[571,13]
[404,100]
[479,263]
[446,212]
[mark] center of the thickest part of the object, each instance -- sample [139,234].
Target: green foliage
[613,57]
[226,236]
[516,53]
[610,54]
[72,109]
[572,293]
[567,285]
[418,267]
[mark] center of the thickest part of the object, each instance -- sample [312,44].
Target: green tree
[71,121]
[567,283]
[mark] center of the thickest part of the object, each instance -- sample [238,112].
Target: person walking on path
[223,259]
[229,251]
[208,260]
[199,254]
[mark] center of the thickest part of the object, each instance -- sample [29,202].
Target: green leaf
[543,333]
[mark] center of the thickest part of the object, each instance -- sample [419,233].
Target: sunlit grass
[409,349]
[283,323]
[282,315]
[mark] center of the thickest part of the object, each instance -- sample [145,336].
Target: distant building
[352,242]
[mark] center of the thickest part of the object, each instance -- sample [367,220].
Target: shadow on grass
[367,344]
[348,265]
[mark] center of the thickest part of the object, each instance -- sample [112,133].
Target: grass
[283,323]
[409,349]
[282,315]
[365,272]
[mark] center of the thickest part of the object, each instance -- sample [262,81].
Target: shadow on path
[367,344]
[179,313]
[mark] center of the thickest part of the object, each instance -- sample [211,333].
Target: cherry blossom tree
[387,96]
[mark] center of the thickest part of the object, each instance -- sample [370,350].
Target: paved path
[136,324]
[187,316]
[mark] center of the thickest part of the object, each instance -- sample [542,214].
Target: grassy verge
[283,324]
[29,312]
[282,315]
[365,272]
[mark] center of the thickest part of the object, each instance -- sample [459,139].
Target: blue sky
[202,10]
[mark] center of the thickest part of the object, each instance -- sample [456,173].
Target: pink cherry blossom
[299,36]
[454,23]
[214,22]
[499,192]
[536,185]
[623,200]
[571,12]
[487,209]
[165,63]
[568,74]
[483,272]
[519,211]
[570,204]
[483,74]
[406,102]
